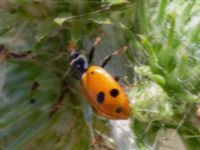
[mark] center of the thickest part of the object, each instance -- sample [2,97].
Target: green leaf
[29,133]
[45,29]
[162,11]
[151,102]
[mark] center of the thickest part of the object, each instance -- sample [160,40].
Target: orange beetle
[101,90]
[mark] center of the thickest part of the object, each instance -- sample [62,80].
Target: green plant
[40,101]
[168,86]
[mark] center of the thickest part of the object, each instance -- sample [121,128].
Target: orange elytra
[101,90]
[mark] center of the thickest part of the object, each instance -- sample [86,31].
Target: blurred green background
[41,104]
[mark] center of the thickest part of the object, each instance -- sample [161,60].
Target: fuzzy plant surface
[41,103]
[166,95]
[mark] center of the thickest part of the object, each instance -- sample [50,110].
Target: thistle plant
[168,79]
[41,104]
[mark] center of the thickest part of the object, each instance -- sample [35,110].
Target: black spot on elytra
[92,72]
[100,97]
[114,92]
[118,110]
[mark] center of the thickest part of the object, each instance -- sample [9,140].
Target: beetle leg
[91,54]
[108,58]
[117,78]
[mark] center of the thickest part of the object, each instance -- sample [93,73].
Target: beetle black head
[78,63]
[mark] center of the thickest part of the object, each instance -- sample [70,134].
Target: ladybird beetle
[101,90]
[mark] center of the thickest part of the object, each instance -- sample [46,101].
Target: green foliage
[40,101]
[169,89]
